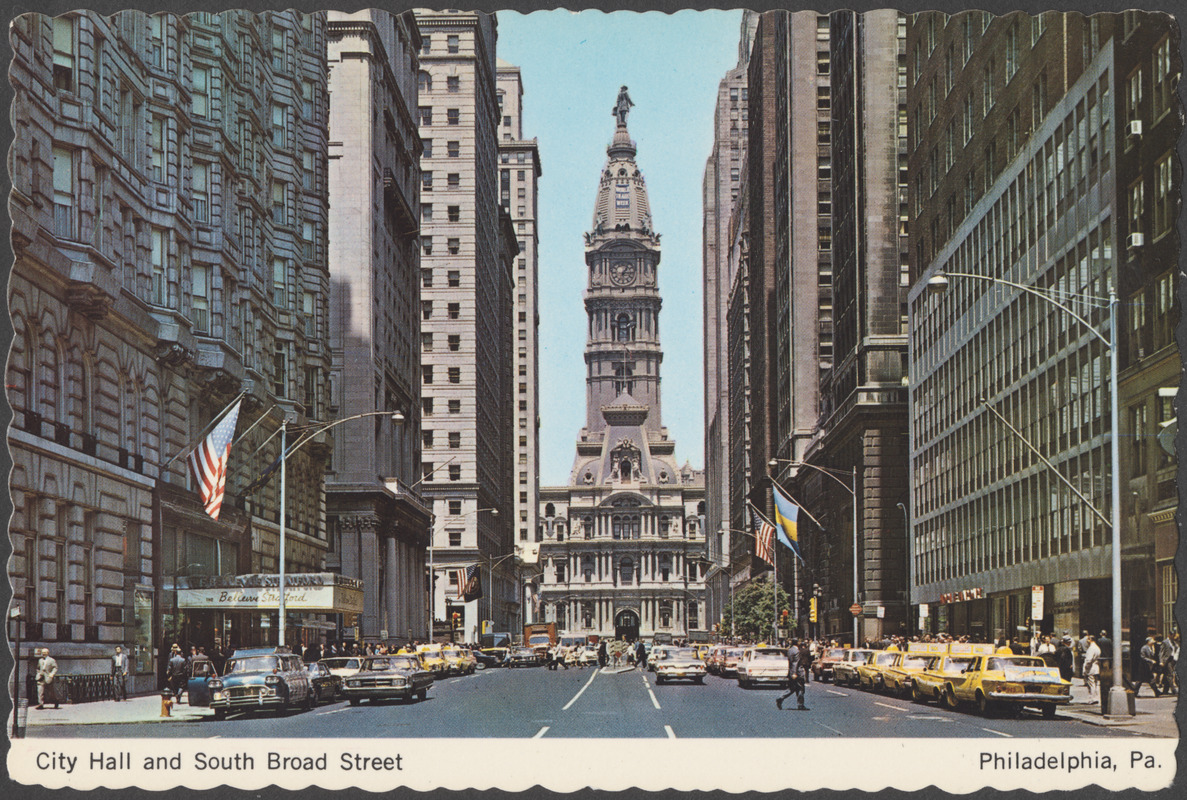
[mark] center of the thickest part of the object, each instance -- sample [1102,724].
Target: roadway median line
[540,733]
[334,710]
[671,733]
[654,702]
[999,733]
[838,694]
[887,705]
[834,730]
[580,692]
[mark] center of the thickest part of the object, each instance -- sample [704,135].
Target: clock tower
[622,352]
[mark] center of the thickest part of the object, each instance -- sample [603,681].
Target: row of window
[453,43]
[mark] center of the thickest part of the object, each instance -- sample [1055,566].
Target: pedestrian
[1046,651]
[797,678]
[602,654]
[119,674]
[1065,658]
[217,656]
[1090,669]
[640,654]
[177,670]
[1081,649]
[47,673]
[1146,668]
[1170,663]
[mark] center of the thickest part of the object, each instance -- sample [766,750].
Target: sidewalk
[1155,716]
[146,708]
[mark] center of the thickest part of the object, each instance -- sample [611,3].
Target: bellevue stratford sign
[314,591]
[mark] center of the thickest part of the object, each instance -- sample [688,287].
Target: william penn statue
[622,107]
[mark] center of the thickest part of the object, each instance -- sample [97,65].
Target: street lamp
[491,563]
[14,614]
[938,283]
[304,438]
[494,512]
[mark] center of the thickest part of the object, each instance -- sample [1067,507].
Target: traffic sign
[855,609]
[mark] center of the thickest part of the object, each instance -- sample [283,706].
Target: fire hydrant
[166,702]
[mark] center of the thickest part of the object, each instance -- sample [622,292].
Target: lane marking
[334,711]
[886,705]
[834,730]
[671,733]
[579,693]
[654,702]
[999,733]
[838,694]
[541,732]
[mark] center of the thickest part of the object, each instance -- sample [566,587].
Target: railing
[87,688]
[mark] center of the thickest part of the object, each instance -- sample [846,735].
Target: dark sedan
[382,677]
[524,657]
[326,685]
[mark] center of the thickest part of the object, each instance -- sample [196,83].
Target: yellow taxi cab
[951,661]
[702,650]
[899,676]
[433,659]
[1000,682]
[870,675]
[460,660]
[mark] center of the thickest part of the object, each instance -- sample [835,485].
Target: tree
[753,611]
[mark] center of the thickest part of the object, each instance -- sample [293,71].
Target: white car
[658,654]
[343,666]
[762,665]
[679,664]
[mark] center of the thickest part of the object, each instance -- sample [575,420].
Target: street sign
[881,612]
[923,610]
[855,609]
[383,633]
[1036,603]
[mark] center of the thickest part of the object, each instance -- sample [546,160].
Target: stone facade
[170,255]
[466,306]
[623,545]
[379,522]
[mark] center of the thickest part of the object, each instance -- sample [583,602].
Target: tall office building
[1042,152]
[168,213]
[378,521]
[466,346]
[623,543]
[721,191]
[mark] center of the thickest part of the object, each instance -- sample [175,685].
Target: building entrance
[626,626]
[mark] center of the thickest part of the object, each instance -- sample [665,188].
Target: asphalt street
[525,703]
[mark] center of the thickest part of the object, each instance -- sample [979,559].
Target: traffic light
[783,615]
[812,609]
[456,620]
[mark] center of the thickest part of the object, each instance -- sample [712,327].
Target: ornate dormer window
[626,463]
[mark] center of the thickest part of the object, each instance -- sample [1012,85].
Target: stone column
[391,595]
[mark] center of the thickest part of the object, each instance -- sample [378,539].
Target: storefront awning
[310,591]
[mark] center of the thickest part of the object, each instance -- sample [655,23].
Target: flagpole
[210,426]
[282,614]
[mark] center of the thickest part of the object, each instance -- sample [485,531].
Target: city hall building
[622,549]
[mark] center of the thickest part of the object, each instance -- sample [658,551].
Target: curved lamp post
[850,487]
[938,283]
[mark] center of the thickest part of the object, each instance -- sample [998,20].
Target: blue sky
[572,66]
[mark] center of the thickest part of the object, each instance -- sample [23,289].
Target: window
[1038,101]
[64,53]
[426,406]
[426,309]
[157,259]
[64,219]
[455,406]
[426,181]
[1163,197]
[454,246]
[426,278]
[307,104]
[426,374]
[968,124]
[987,88]
[1162,80]
[455,540]
[1011,51]
[280,371]
[455,375]
[424,81]
[157,146]
[426,115]
[455,440]
[1139,419]
[426,43]
[822,64]
[426,471]
[279,283]
[455,508]
[454,180]
[453,149]
[200,92]
[278,48]
[427,148]
[426,342]
[453,310]
[453,84]
[1136,201]
[455,472]
[454,213]
[200,276]
[279,119]
[455,342]
[426,212]
[452,44]
[453,116]
[278,202]
[308,170]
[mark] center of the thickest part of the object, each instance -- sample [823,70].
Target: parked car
[871,674]
[762,665]
[679,664]
[729,662]
[498,655]
[899,677]
[197,686]
[845,671]
[1000,682]
[326,684]
[260,677]
[382,677]
[432,658]
[929,684]
[822,667]
[460,660]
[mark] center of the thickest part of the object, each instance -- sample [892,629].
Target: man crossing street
[797,674]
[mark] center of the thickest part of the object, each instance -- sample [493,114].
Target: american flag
[764,535]
[208,462]
[469,582]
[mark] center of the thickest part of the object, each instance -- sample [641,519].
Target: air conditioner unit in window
[1135,240]
[1134,128]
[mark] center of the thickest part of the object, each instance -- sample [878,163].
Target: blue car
[256,678]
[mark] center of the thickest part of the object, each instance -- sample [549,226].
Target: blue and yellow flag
[786,515]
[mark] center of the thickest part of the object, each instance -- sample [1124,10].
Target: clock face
[622,273]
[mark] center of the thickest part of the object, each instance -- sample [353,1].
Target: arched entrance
[626,625]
